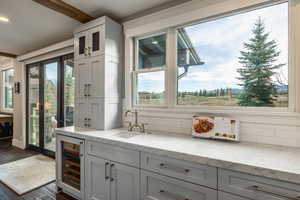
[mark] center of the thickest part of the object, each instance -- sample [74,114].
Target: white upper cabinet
[80,44]
[90,43]
[98,51]
[82,78]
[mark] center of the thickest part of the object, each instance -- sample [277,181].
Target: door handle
[41,107]
[106,175]
[89,51]
[84,90]
[89,90]
[86,51]
[111,172]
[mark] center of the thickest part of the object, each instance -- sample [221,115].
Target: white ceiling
[31,26]
[117,8]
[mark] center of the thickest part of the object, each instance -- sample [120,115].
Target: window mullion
[171,74]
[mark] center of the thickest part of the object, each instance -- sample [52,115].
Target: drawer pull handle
[265,191]
[174,168]
[172,195]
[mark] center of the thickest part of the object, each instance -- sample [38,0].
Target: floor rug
[27,174]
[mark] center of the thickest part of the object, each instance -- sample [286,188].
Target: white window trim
[3,109]
[136,71]
[171,72]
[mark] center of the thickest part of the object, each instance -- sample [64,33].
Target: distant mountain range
[280,88]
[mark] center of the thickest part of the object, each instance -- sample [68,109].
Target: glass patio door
[33,105]
[50,101]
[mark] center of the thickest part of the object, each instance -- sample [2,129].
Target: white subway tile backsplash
[249,138]
[286,135]
[287,131]
[278,141]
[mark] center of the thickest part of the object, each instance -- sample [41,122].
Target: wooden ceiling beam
[66,9]
[10,55]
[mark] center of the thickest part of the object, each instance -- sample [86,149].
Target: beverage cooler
[70,165]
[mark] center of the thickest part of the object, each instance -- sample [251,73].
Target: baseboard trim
[18,143]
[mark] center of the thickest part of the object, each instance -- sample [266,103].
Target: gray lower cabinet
[158,187]
[107,180]
[110,172]
[257,188]
[226,196]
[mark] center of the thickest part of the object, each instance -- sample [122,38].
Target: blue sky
[219,43]
[51,72]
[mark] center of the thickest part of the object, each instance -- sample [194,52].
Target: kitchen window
[240,60]
[8,82]
[150,70]
[235,60]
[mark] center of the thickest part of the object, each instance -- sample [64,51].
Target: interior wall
[18,106]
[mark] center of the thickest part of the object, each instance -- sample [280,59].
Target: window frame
[4,109]
[171,71]
[137,71]
[290,107]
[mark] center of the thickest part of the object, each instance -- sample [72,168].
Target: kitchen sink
[128,134]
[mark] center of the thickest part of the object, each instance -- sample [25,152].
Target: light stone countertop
[277,162]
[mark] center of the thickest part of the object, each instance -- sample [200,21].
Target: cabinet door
[81,45]
[96,113]
[97,178]
[97,85]
[81,112]
[96,41]
[125,183]
[83,77]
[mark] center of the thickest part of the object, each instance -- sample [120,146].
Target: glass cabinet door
[82,45]
[71,164]
[96,46]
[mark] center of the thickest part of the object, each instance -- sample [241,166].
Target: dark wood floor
[8,153]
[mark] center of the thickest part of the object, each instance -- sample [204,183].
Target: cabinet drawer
[191,172]
[255,187]
[160,187]
[226,196]
[117,154]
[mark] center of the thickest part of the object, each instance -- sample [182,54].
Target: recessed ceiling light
[155,42]
[4,19]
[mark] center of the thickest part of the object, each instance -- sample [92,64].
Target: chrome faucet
[131,126]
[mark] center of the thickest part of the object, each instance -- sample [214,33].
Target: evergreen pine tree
[258,68]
